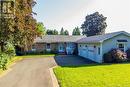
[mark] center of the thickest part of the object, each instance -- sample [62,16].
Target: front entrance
[61,48]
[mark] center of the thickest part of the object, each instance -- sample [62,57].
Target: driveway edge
[53,77]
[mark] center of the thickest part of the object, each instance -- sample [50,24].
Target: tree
[40,29]
[55,32]
[66,32]
[25,25]
[62,31]
[52,32]
[95,24]
[49,32]
[76,31]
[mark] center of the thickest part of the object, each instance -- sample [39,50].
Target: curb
[53,77]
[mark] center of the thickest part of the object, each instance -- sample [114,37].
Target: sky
[56,14]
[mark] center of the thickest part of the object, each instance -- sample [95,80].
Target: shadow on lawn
[73,61]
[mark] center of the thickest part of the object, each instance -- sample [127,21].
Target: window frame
[120,48]
[48,46]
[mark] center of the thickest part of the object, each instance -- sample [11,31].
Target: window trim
[124,43]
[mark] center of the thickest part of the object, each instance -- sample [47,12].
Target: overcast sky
[71,13]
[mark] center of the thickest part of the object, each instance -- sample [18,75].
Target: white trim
[124,43]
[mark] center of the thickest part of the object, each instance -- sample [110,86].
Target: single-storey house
[95,47]
[62,44]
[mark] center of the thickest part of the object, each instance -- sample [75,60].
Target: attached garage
[89,51]
[95,47]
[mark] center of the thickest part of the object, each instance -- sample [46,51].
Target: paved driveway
[35,72]
[29,73]
[70,60]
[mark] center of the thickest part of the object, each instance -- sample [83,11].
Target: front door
[61,48]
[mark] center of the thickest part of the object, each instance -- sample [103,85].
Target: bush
[5,56]
[3,60]
[10,50]
[128,54]
[115,56]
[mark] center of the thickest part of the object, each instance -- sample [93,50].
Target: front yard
[115,75]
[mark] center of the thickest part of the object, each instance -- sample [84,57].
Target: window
[48,46]
[121,46]
[80,46]
[86,46]
[99,51]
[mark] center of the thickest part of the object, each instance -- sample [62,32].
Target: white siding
[112,43]
[106,46]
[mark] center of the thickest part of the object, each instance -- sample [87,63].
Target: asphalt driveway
[29,73]
[35,72]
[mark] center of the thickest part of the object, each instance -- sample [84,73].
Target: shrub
[5,56]
[3,60]
[128,54]
[115,55]
[10,50]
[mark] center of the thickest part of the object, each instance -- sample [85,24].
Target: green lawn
[115,75]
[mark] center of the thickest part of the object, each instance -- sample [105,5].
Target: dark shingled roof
[57,38]
[100,38]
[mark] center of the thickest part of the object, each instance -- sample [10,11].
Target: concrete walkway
[35,72]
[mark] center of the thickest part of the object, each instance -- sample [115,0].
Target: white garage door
[91,53]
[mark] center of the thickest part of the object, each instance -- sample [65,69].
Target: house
[63,44]
[95,47]
[92,48]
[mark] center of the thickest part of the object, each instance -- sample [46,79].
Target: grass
[112,75]
[18,58]
[38,56]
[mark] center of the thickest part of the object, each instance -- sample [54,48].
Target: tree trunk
[2,46]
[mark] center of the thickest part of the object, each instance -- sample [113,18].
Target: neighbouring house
[62,44]
[95,47]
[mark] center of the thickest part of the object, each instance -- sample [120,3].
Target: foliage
[25,25]
[111,75]
[55,32]
[40,29]
[62,31]
[66,32]
[21,29]
[6,32]
[3,60]
[115,55]
[76,31]
[128,54]
[52,32]
[94,24]
[10,50]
